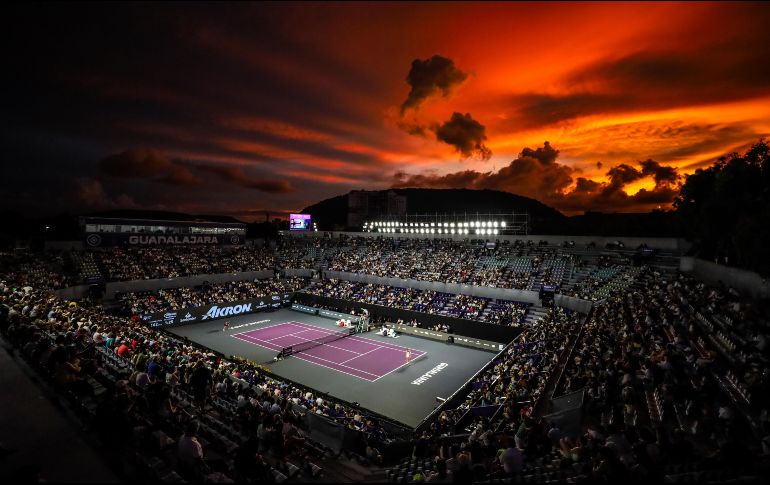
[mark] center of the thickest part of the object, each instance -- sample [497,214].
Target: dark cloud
[147,164]
[648,80]
[545,154]
[437,75]
[536,173]
[236,175]
[660,173]
[462,179]
[465,134]
[92,194]
[586,185]
[152,165]
[526,175]
[414,128]
[530,110]
[622,175]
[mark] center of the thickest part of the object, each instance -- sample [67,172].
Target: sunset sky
[239,109]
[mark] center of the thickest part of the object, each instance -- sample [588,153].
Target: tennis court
[356,356]
[365,368]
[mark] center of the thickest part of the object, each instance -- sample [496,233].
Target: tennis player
[226,326]
[408,355]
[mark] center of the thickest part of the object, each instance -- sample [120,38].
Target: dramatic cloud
[545,155]
[92,194]
[151,165]
[526,175]
[660,173]
[435,76]
[622,175]
[466,135]
[237,176]
[536,173]
[273,98]
[147,164]
[586,185]
[414,128]
[645,80]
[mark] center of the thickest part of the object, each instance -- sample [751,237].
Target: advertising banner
[96,240]
[199,314]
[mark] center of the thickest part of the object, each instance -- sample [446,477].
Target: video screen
[299,222]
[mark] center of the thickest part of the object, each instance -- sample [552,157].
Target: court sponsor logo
[188,318]
[423,378]
[216,312]
[249,324]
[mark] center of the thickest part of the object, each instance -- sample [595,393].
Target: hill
[332,213]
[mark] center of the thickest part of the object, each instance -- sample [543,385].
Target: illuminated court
[366,368]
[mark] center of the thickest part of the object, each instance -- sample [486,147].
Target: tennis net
[303,346]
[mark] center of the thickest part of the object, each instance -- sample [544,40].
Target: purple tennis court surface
[357,356]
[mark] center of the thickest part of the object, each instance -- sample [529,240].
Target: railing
[395,427]
[462,390]
[555,379]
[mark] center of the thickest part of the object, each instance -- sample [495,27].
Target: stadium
[229,253]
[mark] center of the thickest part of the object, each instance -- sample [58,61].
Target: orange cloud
[537,174]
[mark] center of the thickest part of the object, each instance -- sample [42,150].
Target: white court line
[381,344]
[262,328]
[249,324]
[294,334]
[326,345]
[376,343]
[402,365]
[286,335]
[319,358]
[329,332]
[299,356]
[307,357]
[361,355]
[311,355]
[336,363]
[261,342]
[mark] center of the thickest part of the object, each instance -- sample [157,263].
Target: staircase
[534,314]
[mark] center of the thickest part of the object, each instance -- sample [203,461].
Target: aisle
[42,434]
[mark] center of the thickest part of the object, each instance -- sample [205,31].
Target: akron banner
[189,316]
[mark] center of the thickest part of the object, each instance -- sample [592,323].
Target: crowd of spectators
[145,302]
[305,252]
[45,270]
[502,312]
[158,383]
[674,374]
[128,264]
[460,447]
[503,265]
[667,398]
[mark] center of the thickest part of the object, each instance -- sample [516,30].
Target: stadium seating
[674,372]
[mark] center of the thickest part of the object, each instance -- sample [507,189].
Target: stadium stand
[674,373]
